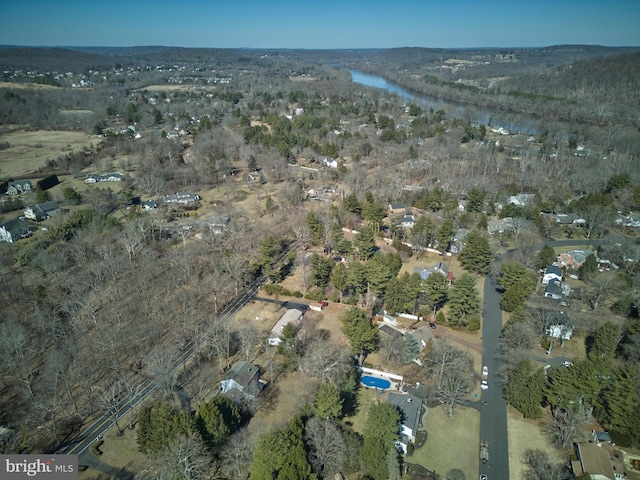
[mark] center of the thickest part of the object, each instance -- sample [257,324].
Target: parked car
[483,476]
[432,325]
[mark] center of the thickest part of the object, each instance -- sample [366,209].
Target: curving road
[493,414]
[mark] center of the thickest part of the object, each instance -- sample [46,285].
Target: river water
[494,118]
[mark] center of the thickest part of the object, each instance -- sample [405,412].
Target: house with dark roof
[552,272]
[18,187]
[410,408]
[42,211]
[501,225]
[14,230]
[242,380]
[457,244]
[553,290]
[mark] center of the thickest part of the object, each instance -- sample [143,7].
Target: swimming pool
[375,382]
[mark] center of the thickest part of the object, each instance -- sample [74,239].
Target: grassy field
[452,442]
[28,151]
[524,435]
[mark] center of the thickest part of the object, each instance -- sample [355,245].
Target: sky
[323,24]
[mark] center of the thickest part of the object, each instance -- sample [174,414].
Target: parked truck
[484,452]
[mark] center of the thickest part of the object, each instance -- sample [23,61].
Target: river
[494,118]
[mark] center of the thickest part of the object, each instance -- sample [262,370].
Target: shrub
[315,295]
[273,289]
[474,323]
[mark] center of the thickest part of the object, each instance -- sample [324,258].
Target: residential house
[569,219]
[410,408]
[149,205]
[573,259]
[14,230]
[185,198]
[560,331]
[422,335]
[397,208]
[552,272]
[440,267]
[42,211]
[522,199]
[389,331]
[553,290]
[407,221]
[217,223]
[92,179]
[632,220]
[19,187]
[594,461]
[292,315]
[242,380]
[500,226]
[330,162]
[457,244]
[601,437]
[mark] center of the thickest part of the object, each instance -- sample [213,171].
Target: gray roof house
[501,225]
[552,272]
[457,244]
[14,230]
[42,211]
[293,315]
[182,197]
[242,380]
[18,187]
[410,408]
[553,290]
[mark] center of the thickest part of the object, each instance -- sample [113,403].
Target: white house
[553,290]
[563,332]
[552,272]
[410,408]
[18,187]
[292,315]
[408,221]
[243,379]
[14,230]
[330,162]
[42,211]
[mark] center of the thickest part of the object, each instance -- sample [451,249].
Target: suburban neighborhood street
[493,410]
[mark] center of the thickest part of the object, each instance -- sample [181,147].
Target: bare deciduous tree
[326,446]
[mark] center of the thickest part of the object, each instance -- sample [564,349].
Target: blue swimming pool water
[375,382]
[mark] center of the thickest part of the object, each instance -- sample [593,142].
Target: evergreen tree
[296,466]
[380,431]
[437,289]
[514,272]
[475,203]
[463,300]
[477,255]
[604,341]
[524,390]
[269,455]
[620,402]
[328,401]
[361,333]
[423,231]
[315,228]
[381,268]
[410,349]
[589,268]
[445,234]
[357,275]
[352,204]
[320,270]
[373,213]
[340,278]
[217,420]
[364,243]
[546,256]
[393,465]
[160,424]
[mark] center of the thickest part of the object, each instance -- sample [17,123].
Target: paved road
[493,414]
[80,445]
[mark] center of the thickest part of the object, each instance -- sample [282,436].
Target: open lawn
[28,151]
[525,435]
[452,442]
